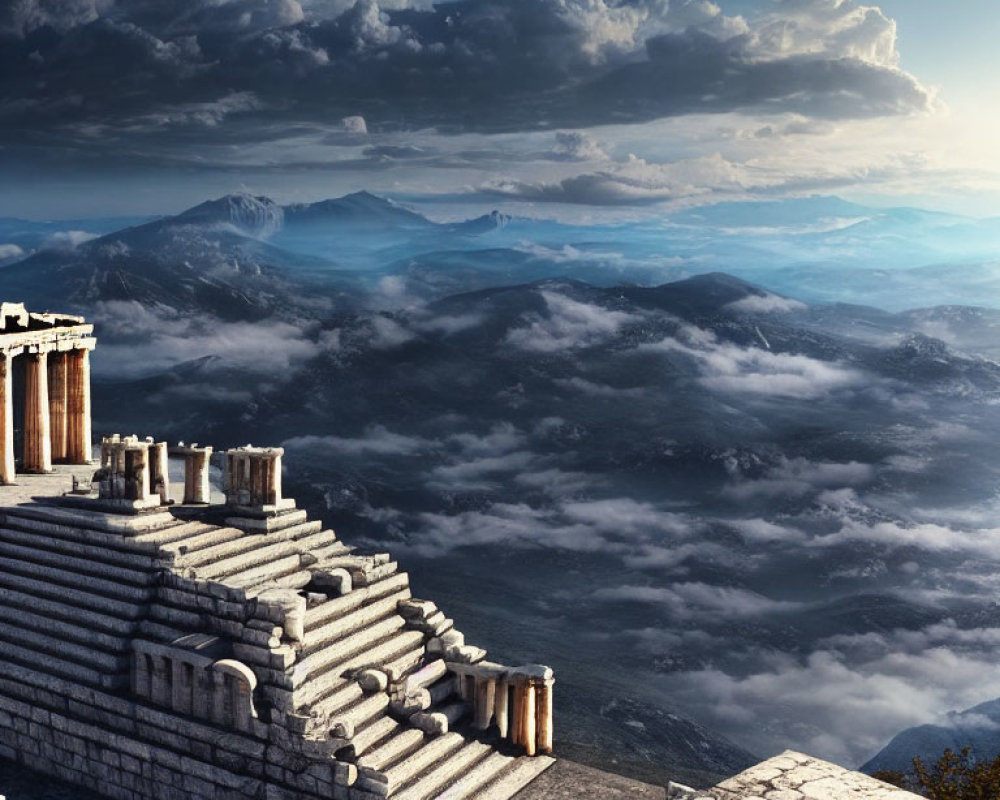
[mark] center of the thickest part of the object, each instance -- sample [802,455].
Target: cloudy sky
[590,109]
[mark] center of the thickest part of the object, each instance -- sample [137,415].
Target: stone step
[158,632]
[477,777]
[77,545]
[123,610]
[43,662]
[263,571]
[93,620]
[91,657]
[177,532]
[200,542]
[258,550]
[393,749]
[85,566]
[518,775]
[126,525]
[345,648]
[320,685]
[374,733]
[407,646]
[90,584]
[228,547]
[343,626]
[340,606]
[345,694]
[328,553]
[375,573]
[446,772]
[255,583]
[64,623]
[364,711]
[406,661]
[303,529]
[262,553]
[281,521]
[314,542]
[432,751]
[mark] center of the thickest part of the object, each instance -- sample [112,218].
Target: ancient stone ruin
[44,390]
[154,643]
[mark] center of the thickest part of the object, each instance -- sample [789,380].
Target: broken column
[6,418]
[78,406]
[137,471]
[493,688]
[37,440]
[197,488]
[253,477]
[124,474]
[533,708]
[159,473]
[58,411]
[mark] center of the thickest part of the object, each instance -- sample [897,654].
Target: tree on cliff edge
[955,776]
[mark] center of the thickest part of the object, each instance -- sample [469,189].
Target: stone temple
[155,643]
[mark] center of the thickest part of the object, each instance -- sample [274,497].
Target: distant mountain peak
[477,226]
[358,208]
[252,214]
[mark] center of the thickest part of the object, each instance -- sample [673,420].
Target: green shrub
[955,776]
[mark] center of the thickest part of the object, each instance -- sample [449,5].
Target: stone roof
[794,776]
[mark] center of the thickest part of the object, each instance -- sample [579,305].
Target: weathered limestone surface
[794,776]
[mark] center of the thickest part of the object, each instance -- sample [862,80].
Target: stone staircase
[73,595]
[79,587]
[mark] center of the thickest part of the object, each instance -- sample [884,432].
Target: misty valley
[741,500]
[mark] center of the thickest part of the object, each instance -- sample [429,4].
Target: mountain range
[645,452]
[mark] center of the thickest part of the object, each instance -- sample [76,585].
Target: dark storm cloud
[83,72]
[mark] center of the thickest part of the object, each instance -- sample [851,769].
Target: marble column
[6,418]
[57,406]
[137,472]
[544,715]
[37,439]
[159,471]
[273,486]
[78,406]
[196,485]
[527,726]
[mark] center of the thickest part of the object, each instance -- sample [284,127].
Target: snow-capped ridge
[253,215]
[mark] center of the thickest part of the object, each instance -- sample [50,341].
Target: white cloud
[828,29]
[578,146]
[10,251]
[692,601]
[598,389]
[378,440]
[636,181]
[388,333]
[795,477]
[765,304]
[568,324]
[68,240]
[763,531]
[619,527]
[730,368]
[928,537]
[140,340]
[889,681]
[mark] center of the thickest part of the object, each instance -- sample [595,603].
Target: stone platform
[51,484]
